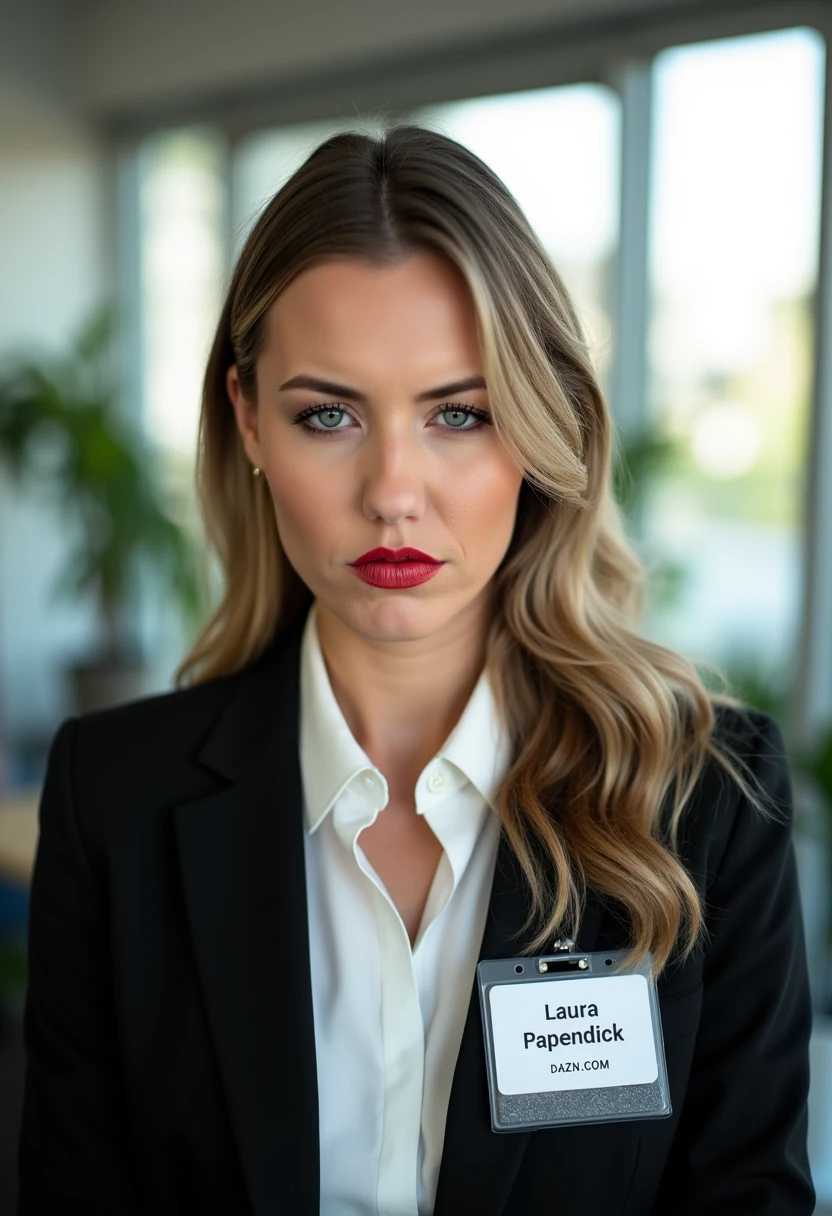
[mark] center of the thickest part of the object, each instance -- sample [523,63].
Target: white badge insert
[571,1038]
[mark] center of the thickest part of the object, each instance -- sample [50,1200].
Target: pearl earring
[256,471]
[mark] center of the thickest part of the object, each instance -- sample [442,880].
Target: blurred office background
[675,156]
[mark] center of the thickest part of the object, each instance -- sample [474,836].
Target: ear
[245,412]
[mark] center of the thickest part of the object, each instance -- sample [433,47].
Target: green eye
[332,415]
[461,416]
[326,416]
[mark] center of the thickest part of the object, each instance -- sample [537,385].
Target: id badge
[572,1038]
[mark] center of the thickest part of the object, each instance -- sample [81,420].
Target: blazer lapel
[241,856]
[242,864]
[478,1165]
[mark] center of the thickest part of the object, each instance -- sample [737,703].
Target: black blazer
[168,1021]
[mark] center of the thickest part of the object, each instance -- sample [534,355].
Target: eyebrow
[353,394]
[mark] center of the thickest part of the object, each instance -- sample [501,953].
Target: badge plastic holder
[577,1086]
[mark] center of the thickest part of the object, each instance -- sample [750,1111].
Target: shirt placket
[403,1050]
[402,1034]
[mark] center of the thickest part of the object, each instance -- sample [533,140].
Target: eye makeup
[482,417]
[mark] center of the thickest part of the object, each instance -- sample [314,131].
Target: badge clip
[562,945]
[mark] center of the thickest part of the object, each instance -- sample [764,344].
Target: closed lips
[394,555]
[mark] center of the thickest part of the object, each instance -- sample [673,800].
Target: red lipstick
[393,555]
[395,568]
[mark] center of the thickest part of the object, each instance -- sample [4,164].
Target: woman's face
[394,455]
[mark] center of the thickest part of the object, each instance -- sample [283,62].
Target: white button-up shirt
[388,1017]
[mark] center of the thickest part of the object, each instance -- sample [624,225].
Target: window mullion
[628,380]
[813,705]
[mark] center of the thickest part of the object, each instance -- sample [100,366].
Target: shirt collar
[332,759]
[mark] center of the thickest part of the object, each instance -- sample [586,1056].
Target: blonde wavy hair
[609,731]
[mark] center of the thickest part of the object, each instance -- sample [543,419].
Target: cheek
[306,499]
[483,504]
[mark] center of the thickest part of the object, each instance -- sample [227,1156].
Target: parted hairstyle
[610,732]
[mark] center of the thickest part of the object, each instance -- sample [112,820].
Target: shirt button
[369,781]
[436,781]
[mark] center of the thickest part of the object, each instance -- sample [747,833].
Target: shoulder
[123,761]
[175,724]
[748,732]
[150,729]
[122,769]
[754,742]
[725,814]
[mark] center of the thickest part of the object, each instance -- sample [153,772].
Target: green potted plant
[62,432]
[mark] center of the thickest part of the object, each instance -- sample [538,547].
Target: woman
[259,901]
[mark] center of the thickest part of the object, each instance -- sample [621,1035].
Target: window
[181,270]
[734,237]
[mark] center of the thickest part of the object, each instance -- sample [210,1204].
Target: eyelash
[471,410]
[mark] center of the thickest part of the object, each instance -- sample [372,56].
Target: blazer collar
[241,858]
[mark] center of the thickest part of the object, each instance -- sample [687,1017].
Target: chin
[398,617]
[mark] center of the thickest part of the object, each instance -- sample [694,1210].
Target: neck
[401,700]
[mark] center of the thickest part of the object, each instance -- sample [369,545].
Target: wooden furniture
[18,835]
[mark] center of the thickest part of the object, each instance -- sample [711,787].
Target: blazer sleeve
[740,1145]
[72,1151]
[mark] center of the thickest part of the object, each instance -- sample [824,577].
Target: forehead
[414,313]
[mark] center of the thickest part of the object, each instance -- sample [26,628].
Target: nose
[393,478]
